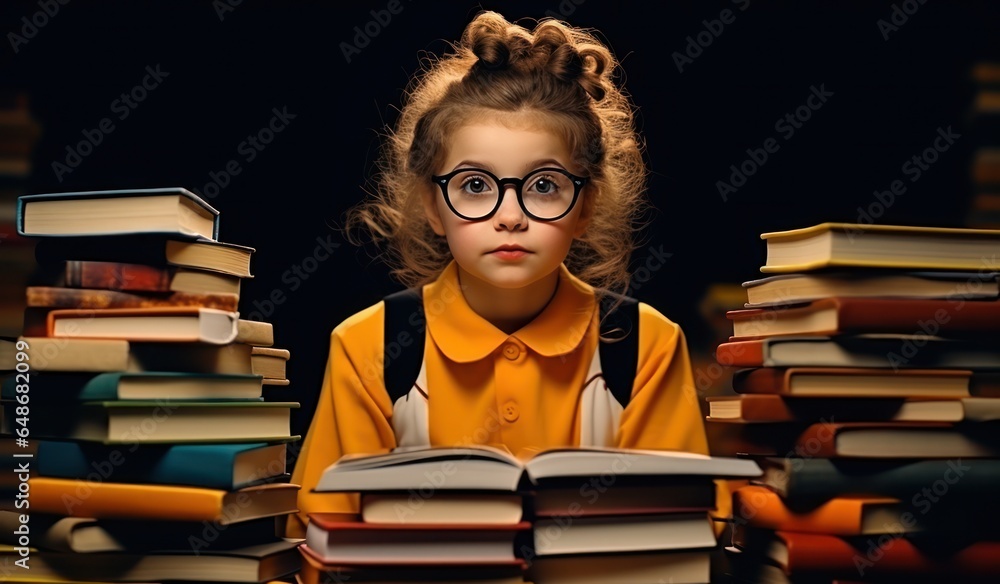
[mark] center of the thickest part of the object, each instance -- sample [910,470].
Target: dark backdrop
[225,69]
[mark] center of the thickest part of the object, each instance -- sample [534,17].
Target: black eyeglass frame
[578,183]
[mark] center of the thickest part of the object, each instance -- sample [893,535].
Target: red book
[51,297]
[853,382]
[132,277]
[944,317]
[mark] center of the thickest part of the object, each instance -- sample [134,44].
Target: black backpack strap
[620,355]
[403,341]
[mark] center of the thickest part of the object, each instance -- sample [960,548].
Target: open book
[480,467]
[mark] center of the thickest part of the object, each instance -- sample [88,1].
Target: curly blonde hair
[560,76]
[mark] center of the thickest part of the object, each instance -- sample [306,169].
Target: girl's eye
[475,185]
[544,186]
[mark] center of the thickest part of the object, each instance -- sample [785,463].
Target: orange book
[763,508]
[104,500]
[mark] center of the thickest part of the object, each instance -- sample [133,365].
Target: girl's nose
[510,216]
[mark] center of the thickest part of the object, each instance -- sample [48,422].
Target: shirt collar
[464,336]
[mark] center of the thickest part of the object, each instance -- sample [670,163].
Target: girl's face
[509,250]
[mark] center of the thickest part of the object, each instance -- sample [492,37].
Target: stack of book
[981,128]
[867,392]
[156,456]
[19,134]
[477,513]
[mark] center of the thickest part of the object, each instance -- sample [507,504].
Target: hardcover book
[796,288]
[762,508]
[811,480]
[70,388]
[837,245]
[487,468]
[854,382]
[168,210]
[356,542]
[51,297]
[109,355]
[133,277]
[159,421]
[829,316]
[213,466]
[150,249]
[250,564]
[759,409]
[108,500]
[886,351]
[162,323]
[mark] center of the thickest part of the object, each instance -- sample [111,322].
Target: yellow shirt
[521,390]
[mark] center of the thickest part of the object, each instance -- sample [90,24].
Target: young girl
[507,196]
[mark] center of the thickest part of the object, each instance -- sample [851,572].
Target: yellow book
[103,500]
[861,245]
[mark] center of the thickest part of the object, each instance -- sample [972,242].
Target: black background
[227,69]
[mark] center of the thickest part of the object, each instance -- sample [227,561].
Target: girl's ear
[431,210]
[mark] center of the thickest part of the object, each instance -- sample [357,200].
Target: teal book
[172,210]
[118,385]
[214,466]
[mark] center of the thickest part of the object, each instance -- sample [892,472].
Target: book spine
[766,380]
[118,276]
[740,354]
[765,408]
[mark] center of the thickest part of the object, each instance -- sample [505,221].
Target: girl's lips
[510,253]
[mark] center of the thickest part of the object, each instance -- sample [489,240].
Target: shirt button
[511,351]
[510,411]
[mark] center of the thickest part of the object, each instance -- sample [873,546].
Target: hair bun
[492,52]
[495,42]
[553,48]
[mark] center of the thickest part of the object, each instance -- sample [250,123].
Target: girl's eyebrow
[527,167]
[544,162]
[474,164]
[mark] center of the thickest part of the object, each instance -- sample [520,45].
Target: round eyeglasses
[546,194]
